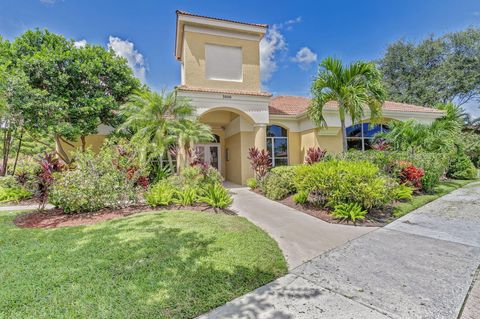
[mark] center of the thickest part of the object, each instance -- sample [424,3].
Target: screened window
[277,145]
[360,136]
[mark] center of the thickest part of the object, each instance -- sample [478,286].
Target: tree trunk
[344,136]
[60,150]
[18,151]
[170,160]
[82,138]
[7,142]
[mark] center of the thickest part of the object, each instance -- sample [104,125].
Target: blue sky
[301,33]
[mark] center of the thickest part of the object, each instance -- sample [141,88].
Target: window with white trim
[277,145]
[360,136]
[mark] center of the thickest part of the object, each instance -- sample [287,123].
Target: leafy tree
[152,117]
[436,70]
[81,87]
[354,87]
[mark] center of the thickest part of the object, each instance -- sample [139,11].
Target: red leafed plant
[314,155]
[49,164]
[381,145]
[411,175]
[259,161]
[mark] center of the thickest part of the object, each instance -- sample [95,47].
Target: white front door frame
[207,155]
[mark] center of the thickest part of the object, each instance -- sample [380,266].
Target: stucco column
[260,131]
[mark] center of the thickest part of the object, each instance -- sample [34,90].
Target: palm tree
[188,133]
[353,87]
[151,116]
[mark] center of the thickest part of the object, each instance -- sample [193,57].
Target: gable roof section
[295,105]
[180,12]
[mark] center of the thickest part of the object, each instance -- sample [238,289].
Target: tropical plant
[403,192]
[189,132]
[353,87]
[49,165]
[314,155]
[252,183]
[301,197]
[216,196]
[152,117]
[259,161]
[13,194]
[161,194]
[349,211]
[186,197]
[411,175]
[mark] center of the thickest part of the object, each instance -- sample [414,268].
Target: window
[277,145]
[360,136]
[223,63]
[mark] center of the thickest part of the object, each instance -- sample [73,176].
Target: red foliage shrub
[411,175]
[381,145]
[314,155]
[49,164]
[259,161]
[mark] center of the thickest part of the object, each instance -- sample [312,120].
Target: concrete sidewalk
[420,266]
[12,208]
[300,236]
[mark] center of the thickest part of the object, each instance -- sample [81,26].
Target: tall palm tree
[189,132]
[151,117]
[353,87]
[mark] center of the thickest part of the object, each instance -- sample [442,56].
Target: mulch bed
[54,218]
[373,219]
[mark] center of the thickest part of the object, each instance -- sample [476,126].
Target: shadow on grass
[148,266]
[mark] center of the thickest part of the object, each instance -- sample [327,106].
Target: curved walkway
[420,266]
[300,236]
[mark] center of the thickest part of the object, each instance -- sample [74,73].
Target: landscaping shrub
[161,194]
[403,192]
[26,174]
[287,174]
[13,194]
[337,182]
[275,187]
[94,183]
[186,197]
[301,197]
[314,155]
[434,166]
[349,211]
[410,175]
[252,183]
[8,182]
[197,177]
[216,196]
[461,167]
[259,162]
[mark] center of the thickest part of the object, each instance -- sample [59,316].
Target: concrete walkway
[420,266]
[300,236]
[22,207]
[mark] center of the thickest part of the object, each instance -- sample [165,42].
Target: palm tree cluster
[161,123]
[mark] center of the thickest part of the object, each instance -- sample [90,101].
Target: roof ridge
[220,19]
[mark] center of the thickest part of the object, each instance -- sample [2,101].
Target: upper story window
[223,63]
[360,136]
[277,145]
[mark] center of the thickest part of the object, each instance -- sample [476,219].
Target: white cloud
[126,49]
[305,57]
[272,43]
[80,43]
[289,24]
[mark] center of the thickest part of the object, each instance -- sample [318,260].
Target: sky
[301,33]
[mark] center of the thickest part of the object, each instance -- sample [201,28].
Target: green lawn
[443,188]
[172,264]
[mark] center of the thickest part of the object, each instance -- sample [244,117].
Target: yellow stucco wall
[194,62]
[233,164]
[247,141]
[310,138]
[94,142]
[294,148]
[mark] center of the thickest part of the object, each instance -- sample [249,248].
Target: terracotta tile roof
[219,19]
[294,105]
[221,91]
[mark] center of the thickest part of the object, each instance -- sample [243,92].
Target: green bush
[337,182]
[274,186]
[216,196]
[349,211]
[461,167]
[434,166]
[252,183]
[186,197]
[301,197]
[197,177]
[403,192]
[287,173]
[8,182]
[13,194]
[161,194]
[95,183]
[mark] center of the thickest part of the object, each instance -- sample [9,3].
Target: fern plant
[349,211]
[216,196]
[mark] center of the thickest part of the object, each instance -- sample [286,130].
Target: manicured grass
[443,188]
[171,264]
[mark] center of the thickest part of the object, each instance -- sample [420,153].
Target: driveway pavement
[420,266]
[300,236]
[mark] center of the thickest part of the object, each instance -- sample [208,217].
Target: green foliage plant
[349,211]
[162,193]
[216,196]
[301,197]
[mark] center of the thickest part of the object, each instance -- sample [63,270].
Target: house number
[227,96]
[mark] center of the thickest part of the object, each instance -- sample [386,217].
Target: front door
[210,154]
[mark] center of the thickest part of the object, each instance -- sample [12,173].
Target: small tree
[353,87]
[259,161]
